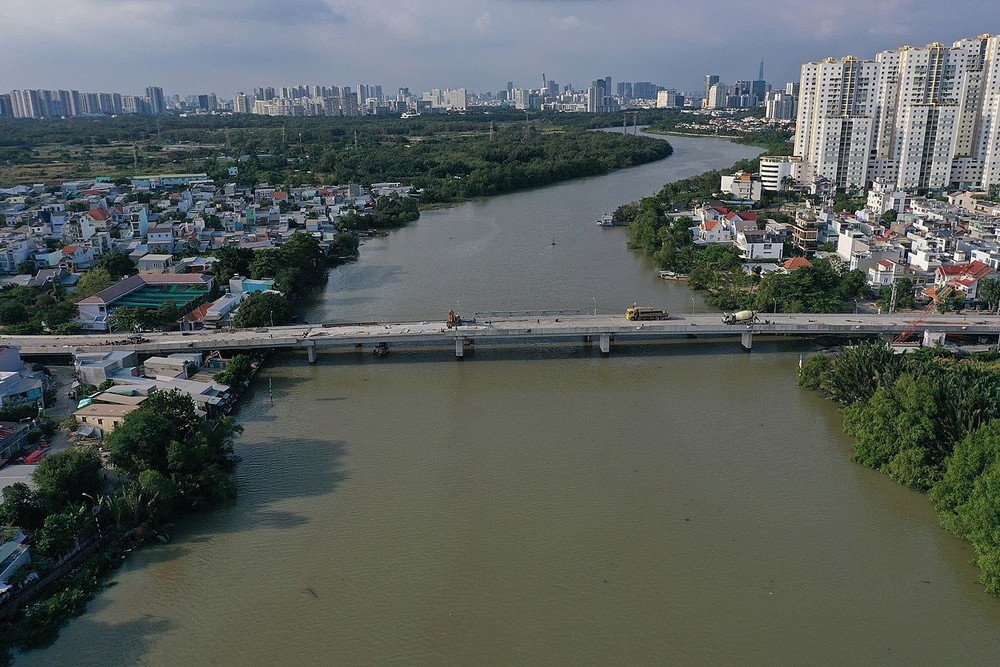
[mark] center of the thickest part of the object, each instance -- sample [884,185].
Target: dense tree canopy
[930,421]
[62,479]
[262,309]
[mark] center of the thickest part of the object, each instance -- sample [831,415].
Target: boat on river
[673,275]
[606,220]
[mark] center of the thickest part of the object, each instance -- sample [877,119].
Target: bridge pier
[746,340]
[459,348]
[311,351]
[605,343]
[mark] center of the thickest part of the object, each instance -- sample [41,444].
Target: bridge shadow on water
[490,351]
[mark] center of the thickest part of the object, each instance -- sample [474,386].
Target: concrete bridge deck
[599,328]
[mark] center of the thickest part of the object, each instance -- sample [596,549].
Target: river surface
[670,504]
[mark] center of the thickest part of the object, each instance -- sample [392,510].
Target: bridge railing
[500,314]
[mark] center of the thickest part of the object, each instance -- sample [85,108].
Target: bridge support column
[605,343]
[933,339]
[459,347]
[311,350]
[746,340]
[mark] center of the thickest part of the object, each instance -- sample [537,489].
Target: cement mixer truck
[740,317]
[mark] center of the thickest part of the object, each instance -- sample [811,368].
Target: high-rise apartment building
[157,103]
[710,80]
[917,118]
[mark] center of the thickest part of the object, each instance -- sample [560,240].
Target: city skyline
[187,47]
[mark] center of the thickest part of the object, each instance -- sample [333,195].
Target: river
[678,503]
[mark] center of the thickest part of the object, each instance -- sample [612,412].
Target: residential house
[713,231]
[161,238]
[758,244]
[97,367]
[13,554]
[963,278]
[18,389]
[795,263]
[151,263]
[884,272]
[743,186]
[103,417]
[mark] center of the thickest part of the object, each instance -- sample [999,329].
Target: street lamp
[272,318]
[595,305]
[95,511]
[775,306]
[692,305]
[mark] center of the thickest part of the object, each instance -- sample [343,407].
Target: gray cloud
[190,46]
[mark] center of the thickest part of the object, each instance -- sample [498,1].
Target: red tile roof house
[714,231]
[796,263]
[143,291]
[964,278]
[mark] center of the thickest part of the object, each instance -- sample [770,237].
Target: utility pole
[892,299]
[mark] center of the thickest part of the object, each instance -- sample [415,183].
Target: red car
[35,456]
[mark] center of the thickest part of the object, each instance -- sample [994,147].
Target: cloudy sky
[200,46]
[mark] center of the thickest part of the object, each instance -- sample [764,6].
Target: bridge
[518,327]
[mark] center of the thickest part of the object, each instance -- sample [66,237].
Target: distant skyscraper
[710,80]
[241,103]
[157,105]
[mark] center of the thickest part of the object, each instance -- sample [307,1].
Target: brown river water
[678,503]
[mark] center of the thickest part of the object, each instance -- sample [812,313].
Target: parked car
[35,456]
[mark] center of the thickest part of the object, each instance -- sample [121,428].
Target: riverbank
[74,550]
[927,420]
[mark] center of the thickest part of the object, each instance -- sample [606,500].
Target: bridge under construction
[521,327]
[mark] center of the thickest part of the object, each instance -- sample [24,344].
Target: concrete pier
[311,351]
[605,343]
[459,347]
[746,340]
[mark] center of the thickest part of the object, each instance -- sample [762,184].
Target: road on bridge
[314,336]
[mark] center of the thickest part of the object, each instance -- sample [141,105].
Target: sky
[201,46]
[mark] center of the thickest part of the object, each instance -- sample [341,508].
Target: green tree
[28,267]
[989,291]
[61,479]
[968,498]
[262,309]
[12,312]
[232,262]
[167,314]
[238,370]
[896,430]
[60,532]
[20,507]
[127,318]
[889,216]
[92,282]
[266,264]
[117,264]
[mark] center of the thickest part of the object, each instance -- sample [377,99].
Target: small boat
[606,220]
[673,275]
[553,242]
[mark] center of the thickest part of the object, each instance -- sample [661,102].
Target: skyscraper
[710,80]
[154,95]
[919,118]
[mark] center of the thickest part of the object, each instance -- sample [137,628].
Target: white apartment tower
[917,118]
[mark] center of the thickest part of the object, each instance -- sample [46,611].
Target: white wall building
[921,118]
